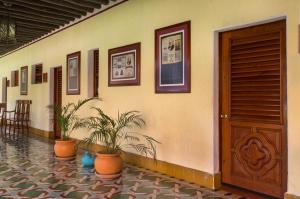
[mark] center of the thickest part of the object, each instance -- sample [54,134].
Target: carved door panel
[253,108]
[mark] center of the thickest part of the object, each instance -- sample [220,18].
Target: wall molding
[290,196]
[212,181]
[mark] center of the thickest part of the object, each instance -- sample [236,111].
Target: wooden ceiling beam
[21,30]
[105,2]
[37,18]
[36,25]
[66,5]
[31,28]
[91,5]
[27,34]
[32,19]
[31,12]
[42,5]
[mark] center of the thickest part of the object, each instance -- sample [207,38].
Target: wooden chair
[18,119]
[2,109]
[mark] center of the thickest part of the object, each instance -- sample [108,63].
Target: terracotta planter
[108,166]
[65,149]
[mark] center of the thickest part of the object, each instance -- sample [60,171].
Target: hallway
[28,169]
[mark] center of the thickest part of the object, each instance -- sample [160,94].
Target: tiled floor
[28,169]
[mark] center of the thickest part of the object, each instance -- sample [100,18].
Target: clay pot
[108,166]
[65,148]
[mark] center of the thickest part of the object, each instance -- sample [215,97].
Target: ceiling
[37,18]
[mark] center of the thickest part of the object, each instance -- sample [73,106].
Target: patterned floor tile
[29,169]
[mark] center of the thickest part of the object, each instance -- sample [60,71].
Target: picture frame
[73,73]
[173,58]
[124,65]
[24,80]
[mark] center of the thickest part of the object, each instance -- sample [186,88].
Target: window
[14,78]
[96,73]
[37,74]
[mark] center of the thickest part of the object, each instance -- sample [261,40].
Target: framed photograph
[124,65]
[24,80]
[173,59]
[73,73]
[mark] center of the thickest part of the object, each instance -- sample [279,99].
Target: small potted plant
[115,135]
[67,121]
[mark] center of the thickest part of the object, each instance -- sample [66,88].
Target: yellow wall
[184,123]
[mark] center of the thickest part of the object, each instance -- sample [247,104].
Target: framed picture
[24,80]
[173,59]
[124,65]
[73,73]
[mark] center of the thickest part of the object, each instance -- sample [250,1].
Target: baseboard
[212,181]
[41,133]
[290,196]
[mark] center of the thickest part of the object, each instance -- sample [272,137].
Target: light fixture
[7,27]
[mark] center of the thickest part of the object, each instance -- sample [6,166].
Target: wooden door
[57,98]
[4,89]
[253,108]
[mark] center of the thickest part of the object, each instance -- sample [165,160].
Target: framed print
[173,59]
[73,73]
[24,80]
[124,65]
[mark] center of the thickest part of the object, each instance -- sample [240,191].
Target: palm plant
[117,134]
[66,118]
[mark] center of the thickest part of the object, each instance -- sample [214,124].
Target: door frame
[217,130]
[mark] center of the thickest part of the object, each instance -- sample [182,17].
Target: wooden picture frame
[173,58]
[124,65]
[24,80]
[73,73]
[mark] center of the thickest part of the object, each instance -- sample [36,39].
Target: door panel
[253,108]
[4,89]
[57,97]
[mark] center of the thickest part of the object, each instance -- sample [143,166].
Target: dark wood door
[253,108]
[4,89]
[57,98]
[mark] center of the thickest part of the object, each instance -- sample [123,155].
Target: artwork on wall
[73,73]
[124,65]
[172,59]
[24,80]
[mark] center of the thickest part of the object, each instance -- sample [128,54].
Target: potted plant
[115,135]
[67,120]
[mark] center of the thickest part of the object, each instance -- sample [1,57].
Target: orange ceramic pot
[65,148]
[108,166]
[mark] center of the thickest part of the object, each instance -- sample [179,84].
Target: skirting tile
[41,133]
[212,181]
[290,196]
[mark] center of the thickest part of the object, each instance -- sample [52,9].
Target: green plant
[66,118]
[116,134]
